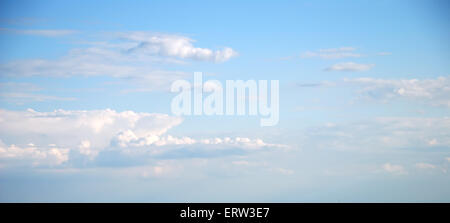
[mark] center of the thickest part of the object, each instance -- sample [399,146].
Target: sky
[85,101]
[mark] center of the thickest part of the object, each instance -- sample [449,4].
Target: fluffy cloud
[84,133]
[332,53]
[350,67]
[433,91]
[175,46]
[69,128]
[130,139]
[150,43]
[63,136]
[32,155]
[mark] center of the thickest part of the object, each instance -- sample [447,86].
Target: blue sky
[85,101]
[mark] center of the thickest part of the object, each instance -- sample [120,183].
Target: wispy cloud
[23,20]
[332,53]
[425,166]
[25,92]
[315,85]
[350,67]
[282,171]
[430,91]
[40,32]
[24,97]
[380,133]
[132,56]
[395,169]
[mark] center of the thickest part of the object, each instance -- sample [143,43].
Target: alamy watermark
[236,98]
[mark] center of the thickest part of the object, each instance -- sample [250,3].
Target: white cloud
[350,67]
[425,166]
[85,149]
[40,32]
[395,169]
[433,91]
[32,155]
[175,46]
[332,53]
[84,130]
[106,135]
[130,139]
[136,57]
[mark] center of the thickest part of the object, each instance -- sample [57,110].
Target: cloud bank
[103,136]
